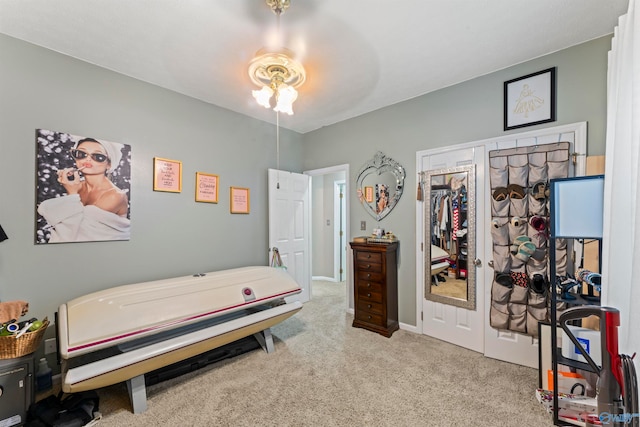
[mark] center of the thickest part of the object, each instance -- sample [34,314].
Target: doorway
[330,225]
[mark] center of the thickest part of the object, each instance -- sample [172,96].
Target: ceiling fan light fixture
[276,72]
[278,6]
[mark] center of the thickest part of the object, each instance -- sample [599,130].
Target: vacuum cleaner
[617,384]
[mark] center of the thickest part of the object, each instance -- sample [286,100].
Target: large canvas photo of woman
[83,191]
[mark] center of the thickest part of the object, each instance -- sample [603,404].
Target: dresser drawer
[369,276]
[365,286]
[372,318]
[369,257]
[369,295]
[370,307]
[369,266]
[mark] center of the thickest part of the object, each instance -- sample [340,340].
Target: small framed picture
[206,187]
[368,194]
[167,175]
[530,100]
[239,203]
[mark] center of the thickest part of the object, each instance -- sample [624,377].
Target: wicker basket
[12,347]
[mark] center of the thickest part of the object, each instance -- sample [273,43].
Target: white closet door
[446,322]
[507,345]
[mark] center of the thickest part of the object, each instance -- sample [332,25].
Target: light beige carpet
[326,373]
[455,288]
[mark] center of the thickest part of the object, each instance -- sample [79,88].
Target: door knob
[490,263]
[477,262]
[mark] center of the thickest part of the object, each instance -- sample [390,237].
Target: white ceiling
[360,55]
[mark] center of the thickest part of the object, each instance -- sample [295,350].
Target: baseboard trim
[409,328]
[324,278]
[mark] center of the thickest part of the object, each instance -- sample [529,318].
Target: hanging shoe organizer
[519,179]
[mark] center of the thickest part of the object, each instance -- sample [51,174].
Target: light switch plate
[363,225]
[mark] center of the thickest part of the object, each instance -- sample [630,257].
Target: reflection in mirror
[450,253]
[379,185]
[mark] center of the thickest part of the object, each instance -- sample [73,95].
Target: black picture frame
[530,100]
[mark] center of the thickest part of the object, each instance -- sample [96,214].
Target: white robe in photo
[71,221]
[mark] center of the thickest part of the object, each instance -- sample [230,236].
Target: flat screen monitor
[576,207]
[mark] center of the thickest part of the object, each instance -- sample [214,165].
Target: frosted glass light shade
[263,96]
[285,99]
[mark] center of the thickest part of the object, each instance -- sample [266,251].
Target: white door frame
[338,215]
[580,130]
[330,170]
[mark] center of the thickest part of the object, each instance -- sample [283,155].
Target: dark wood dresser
[376,287]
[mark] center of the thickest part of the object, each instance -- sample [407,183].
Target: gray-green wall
[171,234]
[469,111]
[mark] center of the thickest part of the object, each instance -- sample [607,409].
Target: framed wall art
[206,187]
[530,100]
[368,194]
[83,188]
[167,175]
[239,203]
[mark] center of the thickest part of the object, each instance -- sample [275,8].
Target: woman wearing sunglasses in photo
[93,208]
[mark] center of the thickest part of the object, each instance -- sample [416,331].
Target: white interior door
[289,225]
[506,345]
[449,323]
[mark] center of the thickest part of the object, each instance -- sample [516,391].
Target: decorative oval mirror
[379,185]
[450,228]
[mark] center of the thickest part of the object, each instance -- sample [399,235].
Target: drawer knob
[368,305]
[368,285]
[369,295]
[368,266]
[368,274]
[369,317]
[368,255]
